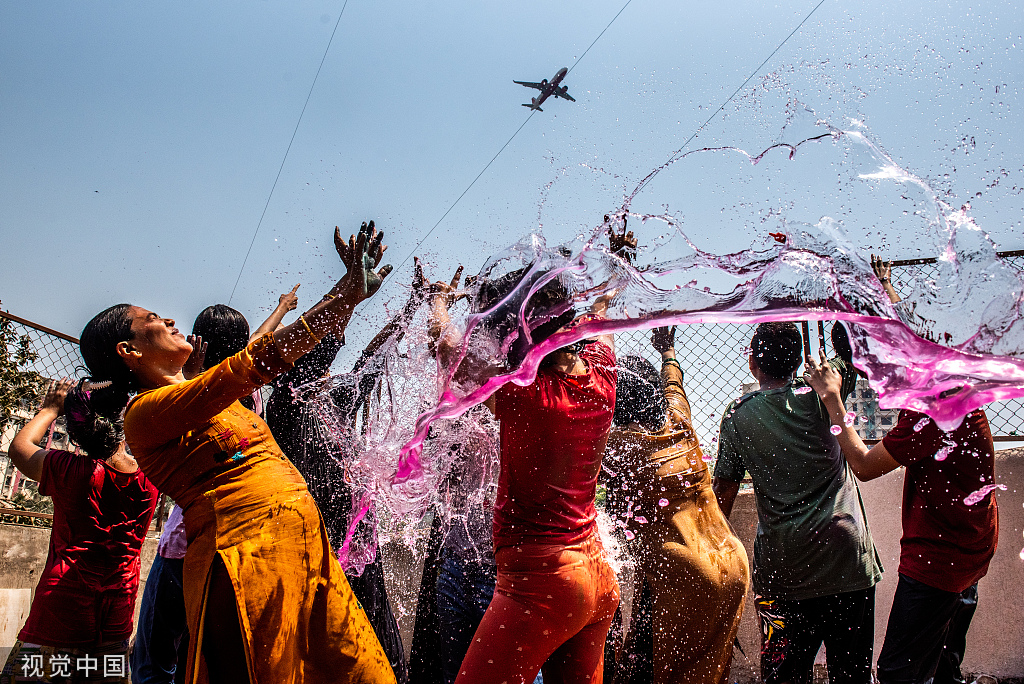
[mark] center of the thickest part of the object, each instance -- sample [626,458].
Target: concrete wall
[995,642]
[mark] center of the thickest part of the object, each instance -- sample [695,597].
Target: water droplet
[802,390]
[919,425]
[630,536]
[835,429]
[850,418]
[663,502]
[976,497]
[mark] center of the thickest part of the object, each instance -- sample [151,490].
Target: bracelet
[305,324]
[664,361]
[327,297]
[883,280]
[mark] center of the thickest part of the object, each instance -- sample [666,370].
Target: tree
[20,386]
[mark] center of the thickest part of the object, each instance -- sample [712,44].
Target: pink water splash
[803,390]
[977,496]
[835,430]
[850,418]
[663,502]
[919,425]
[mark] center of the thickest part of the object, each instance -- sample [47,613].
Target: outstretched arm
[285,303]
[679,416]
[867,464]
[330,317]
[24,450]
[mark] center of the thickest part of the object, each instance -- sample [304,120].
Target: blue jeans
[464,590]
[161,642]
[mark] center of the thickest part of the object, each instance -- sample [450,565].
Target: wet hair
[841,342]
[96,425]
[776,348]
[638,395]
[224,330]
[94,420]
[551,304]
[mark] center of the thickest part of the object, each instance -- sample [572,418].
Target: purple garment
[172,541]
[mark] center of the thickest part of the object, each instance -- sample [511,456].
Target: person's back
[815,565]
[812,536]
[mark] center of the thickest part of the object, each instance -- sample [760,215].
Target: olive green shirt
[812,534]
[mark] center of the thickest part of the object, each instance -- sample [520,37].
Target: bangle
[664,361]
[883,280]
[327,297]
[305,324]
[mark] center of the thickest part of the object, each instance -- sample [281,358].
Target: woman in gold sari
[692,571]
[265,598]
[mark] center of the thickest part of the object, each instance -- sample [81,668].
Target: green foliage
[20,386]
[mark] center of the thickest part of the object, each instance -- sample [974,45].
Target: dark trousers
[926,635]
[793,631]
[464,590]
[161,643]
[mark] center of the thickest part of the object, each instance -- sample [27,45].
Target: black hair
[552,302]
[776,348]
[94,420]
[841,342]
[638,395]
[98,345]
[224,330]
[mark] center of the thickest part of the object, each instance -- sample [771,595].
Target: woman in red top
[102,507]
[556,595]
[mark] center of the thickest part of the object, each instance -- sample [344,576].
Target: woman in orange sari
[692,571]
[266,600]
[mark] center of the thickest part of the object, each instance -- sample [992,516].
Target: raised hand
[361,254]
[822,377]
[448,292]
[194,363]
[288,301]
[56,391]
[663,339]
[882,269]
[623,244]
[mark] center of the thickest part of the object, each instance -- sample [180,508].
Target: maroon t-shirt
[553,434]
[946,543]
[86,594]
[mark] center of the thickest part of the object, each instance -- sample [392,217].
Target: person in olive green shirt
[815,566]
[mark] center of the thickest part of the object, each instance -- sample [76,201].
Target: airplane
[547,89]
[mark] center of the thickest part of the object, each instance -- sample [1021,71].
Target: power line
[289,149]
[507,142]
[729,99]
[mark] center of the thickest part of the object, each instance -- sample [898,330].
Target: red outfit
[553,435]
[946,544]
[556,594]
[86,594]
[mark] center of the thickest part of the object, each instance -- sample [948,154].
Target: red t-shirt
[553,434]
[946,544]
[86,594]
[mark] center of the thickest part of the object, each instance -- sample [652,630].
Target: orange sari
[246,504]
[690,562]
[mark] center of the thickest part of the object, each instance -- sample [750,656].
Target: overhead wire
[287,150]
[721,107]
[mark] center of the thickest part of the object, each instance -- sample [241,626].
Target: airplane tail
[533,105]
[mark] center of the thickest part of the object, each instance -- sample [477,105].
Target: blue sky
[139,141]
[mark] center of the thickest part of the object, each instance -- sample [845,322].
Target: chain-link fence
[32,355]
[715,365]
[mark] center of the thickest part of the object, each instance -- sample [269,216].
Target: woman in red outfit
[102,506]
[556,594]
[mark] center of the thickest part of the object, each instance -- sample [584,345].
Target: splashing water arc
[815,274]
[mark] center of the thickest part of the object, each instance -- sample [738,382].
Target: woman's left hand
[194,363]
[663,339]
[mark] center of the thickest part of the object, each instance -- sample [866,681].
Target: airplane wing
[538,86]
[567,96]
